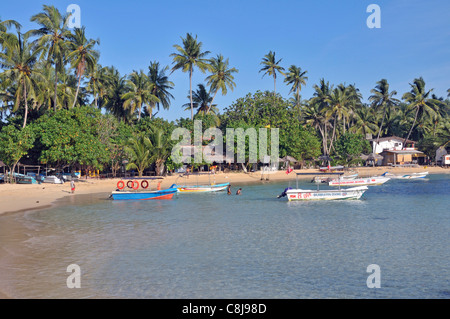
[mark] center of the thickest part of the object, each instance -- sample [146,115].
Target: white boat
[339,194]
[299,194]
[407,176]
[368,181]
[52,180]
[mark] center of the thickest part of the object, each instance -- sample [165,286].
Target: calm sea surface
[248,246]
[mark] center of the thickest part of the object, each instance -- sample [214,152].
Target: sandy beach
[16,198]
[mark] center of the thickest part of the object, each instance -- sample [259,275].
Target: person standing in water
[229,189]
[239,191]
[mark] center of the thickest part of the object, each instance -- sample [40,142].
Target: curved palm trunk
[76,93]
[56,86]
[26,105]
[410,131]
[190,89]
[139,115]
[334,133]
[381,126]
[211,104]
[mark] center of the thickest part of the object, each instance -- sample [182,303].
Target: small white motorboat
[299,194]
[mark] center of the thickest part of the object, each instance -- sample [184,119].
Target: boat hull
[311,195]
[409,176]
[153,195]
[370,181]
[202,188]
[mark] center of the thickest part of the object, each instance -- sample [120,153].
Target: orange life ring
[146,184]
[120,185]
[135,185]
[159,186]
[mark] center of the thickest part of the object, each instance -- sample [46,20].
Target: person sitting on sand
[239,191]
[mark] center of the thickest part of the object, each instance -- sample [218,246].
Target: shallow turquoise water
[248,246]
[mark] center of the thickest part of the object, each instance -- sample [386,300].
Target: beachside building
[396,151]
[442,156]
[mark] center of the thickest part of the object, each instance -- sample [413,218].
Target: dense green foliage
[59,106]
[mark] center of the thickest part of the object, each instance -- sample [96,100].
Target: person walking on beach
[72,186]
[239,191]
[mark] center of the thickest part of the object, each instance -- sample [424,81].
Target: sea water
[214,245]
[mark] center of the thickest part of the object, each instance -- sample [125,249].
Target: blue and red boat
[135,194]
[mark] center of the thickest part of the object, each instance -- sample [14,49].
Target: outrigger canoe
[369,181]
[200,188]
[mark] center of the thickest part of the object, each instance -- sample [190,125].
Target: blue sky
[329,39]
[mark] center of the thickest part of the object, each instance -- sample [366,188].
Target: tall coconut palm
[160,85]
[271,67]
[81,55]
[4,26]
[382,100]
[140,93]
[116,88]
[221,77]
[202,101]
[188,57]
[321,100]
[339,101]
[52,37]
[18,61]
[296,78]
[365,122]
[98,82]
[419,100]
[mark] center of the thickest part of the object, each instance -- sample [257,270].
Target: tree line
[59,106]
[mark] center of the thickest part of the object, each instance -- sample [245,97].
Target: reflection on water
[248,246]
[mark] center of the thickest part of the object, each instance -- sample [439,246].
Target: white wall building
[391,143]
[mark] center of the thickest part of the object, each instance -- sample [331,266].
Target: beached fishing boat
[369,181]
[299,194]
[407,176]
[139,190]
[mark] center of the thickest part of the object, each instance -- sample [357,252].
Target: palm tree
[190,55]
[53,36]
[162,148]
[161,85]
[98,82]
[221,77]
[4,26]
[116,88]
[365,122]
[139,149]
[420,101]
[321,100]
[382,100]
[140,93]
[316,118]
[271,67]
[19,62]
[296,77]
[82,55]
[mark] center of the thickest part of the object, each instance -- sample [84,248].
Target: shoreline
[17,198]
